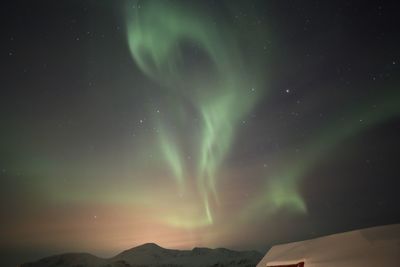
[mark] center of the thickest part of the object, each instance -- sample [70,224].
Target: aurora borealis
[215,87]
[238,124]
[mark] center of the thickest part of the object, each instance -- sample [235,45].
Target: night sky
[195,123]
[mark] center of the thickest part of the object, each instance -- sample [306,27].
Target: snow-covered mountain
[155,256]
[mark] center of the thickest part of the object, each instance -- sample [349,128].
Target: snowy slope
[68,260]
[371,247]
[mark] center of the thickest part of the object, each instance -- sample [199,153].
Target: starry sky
[238,124]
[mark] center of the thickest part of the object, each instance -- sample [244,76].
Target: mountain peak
[151,254]
[149,246]
[144,248]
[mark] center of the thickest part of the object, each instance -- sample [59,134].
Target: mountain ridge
[153,255]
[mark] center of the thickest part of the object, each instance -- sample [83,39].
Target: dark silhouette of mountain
[155,256]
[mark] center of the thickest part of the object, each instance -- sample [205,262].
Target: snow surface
[371,247]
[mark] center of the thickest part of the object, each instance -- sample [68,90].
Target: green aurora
[222,90]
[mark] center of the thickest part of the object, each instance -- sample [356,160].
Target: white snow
[371,247]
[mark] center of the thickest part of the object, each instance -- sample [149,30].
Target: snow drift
[371,247]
